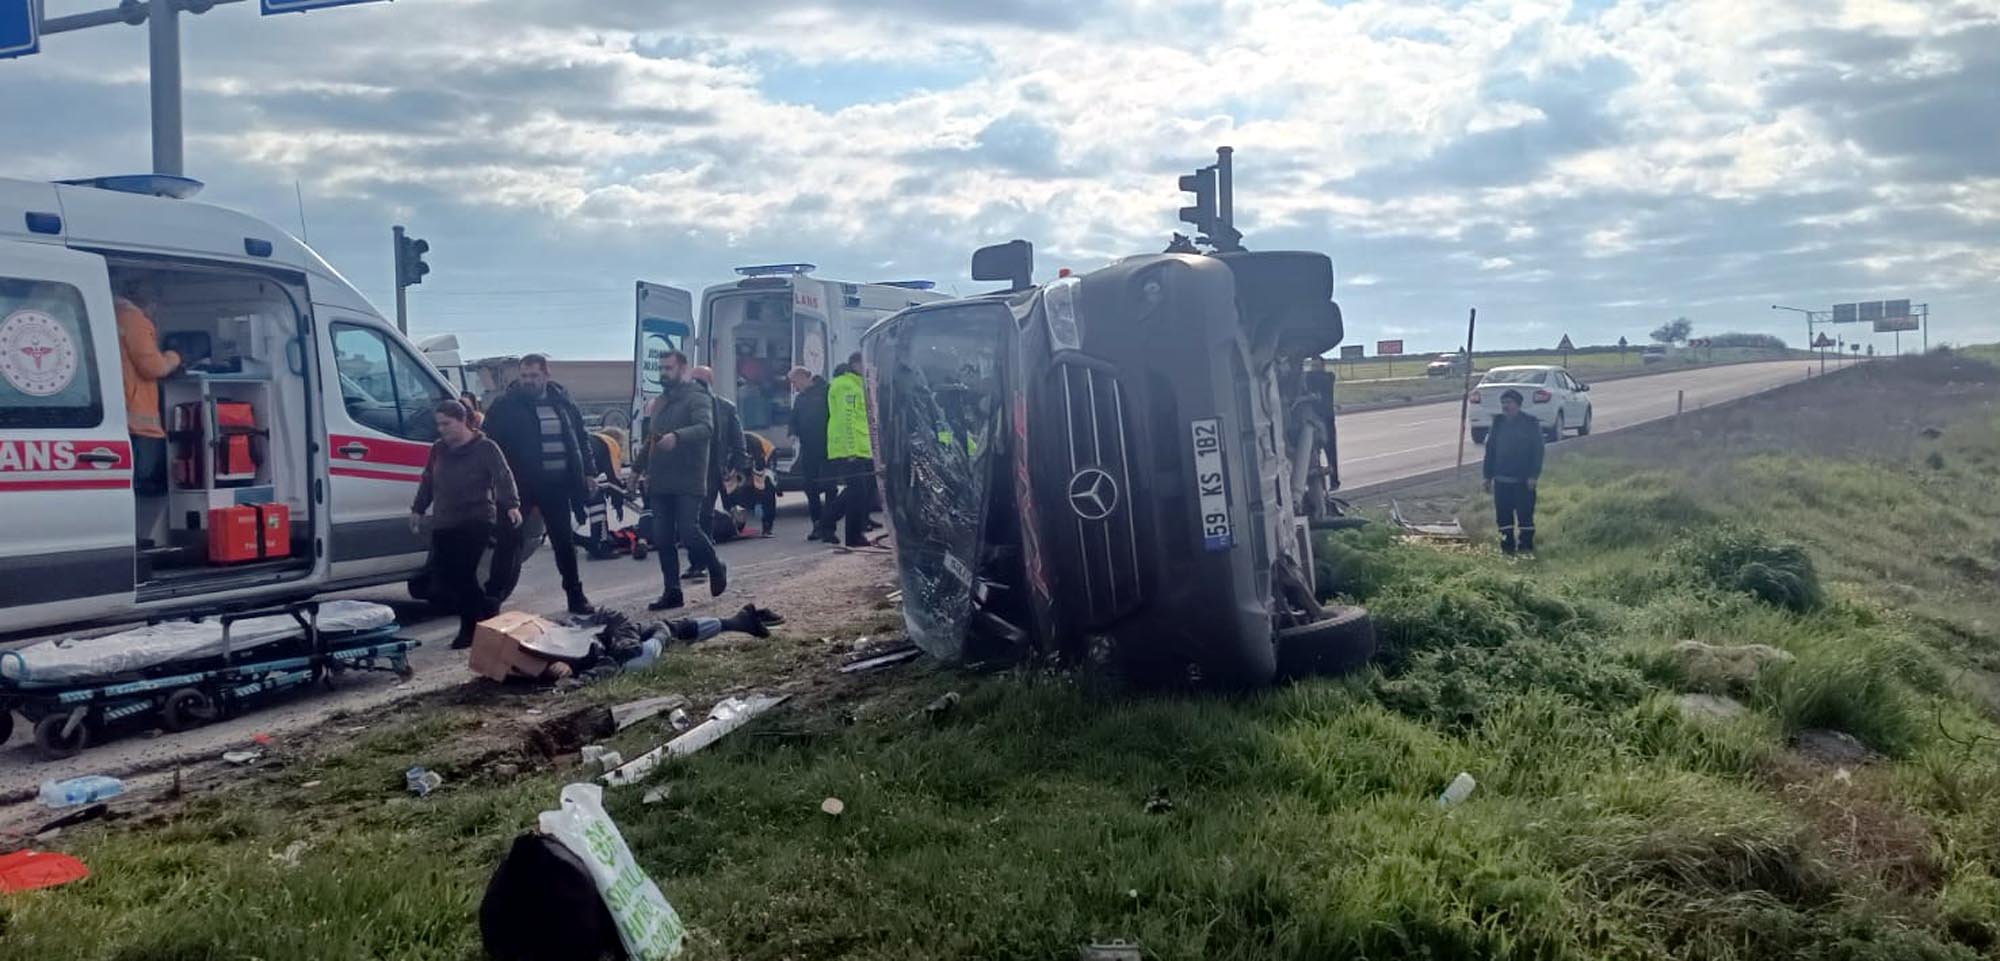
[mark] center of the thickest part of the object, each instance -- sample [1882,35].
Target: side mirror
[1580,385]
[1013,261]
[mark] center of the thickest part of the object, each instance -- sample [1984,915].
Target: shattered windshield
[941,392]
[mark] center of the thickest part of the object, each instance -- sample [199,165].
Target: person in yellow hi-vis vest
[144,365]
[850,454]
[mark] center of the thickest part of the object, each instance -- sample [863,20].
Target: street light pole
[163,47]
[1809,320]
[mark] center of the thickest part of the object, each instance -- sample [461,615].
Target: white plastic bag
[646,922]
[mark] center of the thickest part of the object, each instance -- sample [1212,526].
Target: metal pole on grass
[1465,396]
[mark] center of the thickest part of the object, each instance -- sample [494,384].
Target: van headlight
[1059,300]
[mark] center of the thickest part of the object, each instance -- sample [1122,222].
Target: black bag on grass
[542,906]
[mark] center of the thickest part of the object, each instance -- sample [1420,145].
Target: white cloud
[1564,150]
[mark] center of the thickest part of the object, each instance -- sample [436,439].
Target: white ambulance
[299,412]
[753,331]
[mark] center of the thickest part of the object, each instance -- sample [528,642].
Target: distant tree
[1674,331]
[1761,341]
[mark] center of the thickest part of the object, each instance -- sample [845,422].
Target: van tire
[1341,643]
[188,708]
[49,738]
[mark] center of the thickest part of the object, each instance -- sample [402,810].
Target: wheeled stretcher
[181,674]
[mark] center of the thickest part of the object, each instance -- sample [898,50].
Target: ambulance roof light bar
[154,185]
[775,270]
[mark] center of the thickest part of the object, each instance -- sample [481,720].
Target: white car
[1559,401]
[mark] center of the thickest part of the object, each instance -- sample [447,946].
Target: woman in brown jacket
[467,487]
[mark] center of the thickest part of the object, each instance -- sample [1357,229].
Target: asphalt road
[1375,446]
[1384,445]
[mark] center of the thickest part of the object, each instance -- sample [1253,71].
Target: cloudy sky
[1590,168]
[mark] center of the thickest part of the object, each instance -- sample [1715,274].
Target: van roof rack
[155,185]
[908,284]
[773,270]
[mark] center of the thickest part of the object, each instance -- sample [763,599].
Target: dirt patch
[1857,818]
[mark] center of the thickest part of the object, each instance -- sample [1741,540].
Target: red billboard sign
[1388,348]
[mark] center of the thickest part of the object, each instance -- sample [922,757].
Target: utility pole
[1465,396]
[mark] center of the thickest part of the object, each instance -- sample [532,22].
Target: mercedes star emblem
[1093,494]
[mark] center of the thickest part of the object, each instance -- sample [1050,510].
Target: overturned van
[298,421]
[1102,468]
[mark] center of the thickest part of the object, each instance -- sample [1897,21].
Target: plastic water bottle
[88,789]
[1458,790]
[422,782]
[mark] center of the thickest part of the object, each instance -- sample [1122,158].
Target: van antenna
[299,192]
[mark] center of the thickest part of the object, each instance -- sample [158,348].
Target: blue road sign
[301,6]
[19,34]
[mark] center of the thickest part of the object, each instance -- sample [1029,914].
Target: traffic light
[1201,183]
[410,266]
[1212,211]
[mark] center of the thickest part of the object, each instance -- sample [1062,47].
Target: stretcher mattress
[130,651]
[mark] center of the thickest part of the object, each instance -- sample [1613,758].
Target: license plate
[1211,485]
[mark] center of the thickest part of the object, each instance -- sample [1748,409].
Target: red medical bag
[233,535]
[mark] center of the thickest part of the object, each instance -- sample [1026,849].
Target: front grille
[1099,495]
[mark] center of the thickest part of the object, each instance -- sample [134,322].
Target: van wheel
[1479,435]
[1341,643]
[54,744]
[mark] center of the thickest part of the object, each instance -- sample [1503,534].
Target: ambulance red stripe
[366,474]
[80,484]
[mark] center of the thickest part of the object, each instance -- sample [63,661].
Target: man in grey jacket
[727,451]
[680,425]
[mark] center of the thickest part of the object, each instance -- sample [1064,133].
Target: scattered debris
[87,789]
[632,712]
[309,785]
[1843,777]
[34,870]
[534,712]
[679,719]
[1709,706]
[945,703]
[1158,802]
[592,752]
[90,813]
[1457,791]
[241,758]
[1453,531]
[539,903]
[657,795]
[570,732]
[833,806]
[726,716]
[261,739]
[1119,950]
[421,781]
[895,597]
[873,662]
[506,771]
[1832,747]
[1716,666]
[289,857]
[610,760]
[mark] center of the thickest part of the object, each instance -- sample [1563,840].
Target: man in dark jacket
[1513,468]
[809,438]
[679,425]
[541,431]
[727,450]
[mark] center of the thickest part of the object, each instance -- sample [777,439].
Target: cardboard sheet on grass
[518,644]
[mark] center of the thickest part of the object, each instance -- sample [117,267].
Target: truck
[1119,466]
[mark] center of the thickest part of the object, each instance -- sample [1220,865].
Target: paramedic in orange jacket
[145,365]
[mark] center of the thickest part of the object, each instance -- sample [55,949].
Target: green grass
[1303,825]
